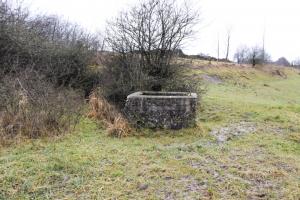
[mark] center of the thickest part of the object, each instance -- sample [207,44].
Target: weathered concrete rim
[163,95]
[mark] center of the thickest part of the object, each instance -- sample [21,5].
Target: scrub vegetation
[189,163]
[63,134]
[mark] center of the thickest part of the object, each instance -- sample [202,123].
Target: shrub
[44,67]
[52,47]
[144,42]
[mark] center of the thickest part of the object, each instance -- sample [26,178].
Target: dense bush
[44,72]
[56,49]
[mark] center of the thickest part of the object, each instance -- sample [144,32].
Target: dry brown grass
[115,122]
[33,108]
[294,137]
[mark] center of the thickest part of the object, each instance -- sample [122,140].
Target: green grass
[182,164]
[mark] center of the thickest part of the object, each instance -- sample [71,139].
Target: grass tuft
[102,110]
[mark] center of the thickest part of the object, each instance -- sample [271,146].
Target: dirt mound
[279,73]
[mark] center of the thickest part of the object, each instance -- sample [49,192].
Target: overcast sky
[247,20]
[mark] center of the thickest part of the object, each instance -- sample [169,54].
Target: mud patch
[214,79]
[187,187]
[259,183]
[234,130]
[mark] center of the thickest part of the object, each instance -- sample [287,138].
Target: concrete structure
[170,110]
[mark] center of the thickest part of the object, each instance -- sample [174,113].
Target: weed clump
[116,124]
[31,107]
[294,137]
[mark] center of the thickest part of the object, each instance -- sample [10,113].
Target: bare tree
[218,48]
[241,55]
[263,45]
[144,40]
[258,56]
[254,55]
[296,63]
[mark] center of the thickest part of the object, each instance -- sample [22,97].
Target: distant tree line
[296,63]
[257,55]
[254,55]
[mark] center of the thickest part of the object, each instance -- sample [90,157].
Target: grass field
[186,164]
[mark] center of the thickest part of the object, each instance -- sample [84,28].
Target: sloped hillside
[246,146]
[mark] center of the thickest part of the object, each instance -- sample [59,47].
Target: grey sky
[246,18]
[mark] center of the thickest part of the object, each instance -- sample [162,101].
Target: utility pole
[218,47]
[263,46]
[228,42]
